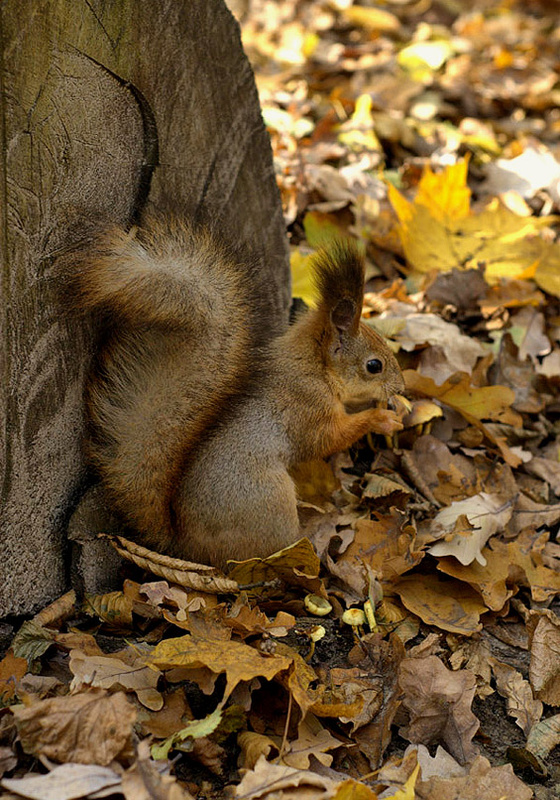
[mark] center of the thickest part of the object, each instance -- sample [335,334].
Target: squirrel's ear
[345,315]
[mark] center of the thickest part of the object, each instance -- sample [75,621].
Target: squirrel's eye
[374,365]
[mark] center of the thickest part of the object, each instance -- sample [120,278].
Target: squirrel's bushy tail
[182,321]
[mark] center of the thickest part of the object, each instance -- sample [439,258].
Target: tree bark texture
[104,101]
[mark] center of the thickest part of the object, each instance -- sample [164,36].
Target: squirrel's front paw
[384,421]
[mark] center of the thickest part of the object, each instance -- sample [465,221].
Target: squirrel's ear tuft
[339,275]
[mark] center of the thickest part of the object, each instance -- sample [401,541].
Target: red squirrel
[193,422]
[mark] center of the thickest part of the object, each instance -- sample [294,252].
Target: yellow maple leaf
[446,193]
[302,278]
[547,273]
[438,232]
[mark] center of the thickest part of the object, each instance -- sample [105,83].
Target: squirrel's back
[184,318]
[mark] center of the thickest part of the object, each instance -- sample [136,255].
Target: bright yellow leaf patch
[439,232]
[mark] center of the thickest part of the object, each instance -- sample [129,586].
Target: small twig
[286,726]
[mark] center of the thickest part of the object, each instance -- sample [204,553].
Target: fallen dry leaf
[114,608]
[170,718]
[12,669]
[439,705]
[460,352]
[447,604]
[385,543]
[486,514]
[352,695]
[474,403]
[475,655]
[380,660]
[92,727]
[253,746]
[248,621]
[544,737]
[482,782]
[524,555]
[544,644]
[299,678]
[297,565]
[313,740]
[8,760]
[110,672]
[239,661]
[144,781]
[521,705]
[276,781]
[490,580]
[438,232]
[65,782]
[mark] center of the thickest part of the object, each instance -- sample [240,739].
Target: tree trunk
[104,101]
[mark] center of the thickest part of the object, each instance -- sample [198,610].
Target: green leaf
[196,729]
[31,641]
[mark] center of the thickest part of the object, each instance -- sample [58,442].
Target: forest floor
[429,131]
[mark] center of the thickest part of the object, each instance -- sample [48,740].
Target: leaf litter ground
[430,132]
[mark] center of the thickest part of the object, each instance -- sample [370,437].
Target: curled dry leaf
[56,612]
[525,557]
[170,719]
[299,678]
[297,565]
[521,705]
[544,737]
[353,696]
[198,577]
[439,705]
[475,654]
[486,514]
[91,727]
[247,621]
[544,668]
[382,486]
[114,608]
[253,746]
